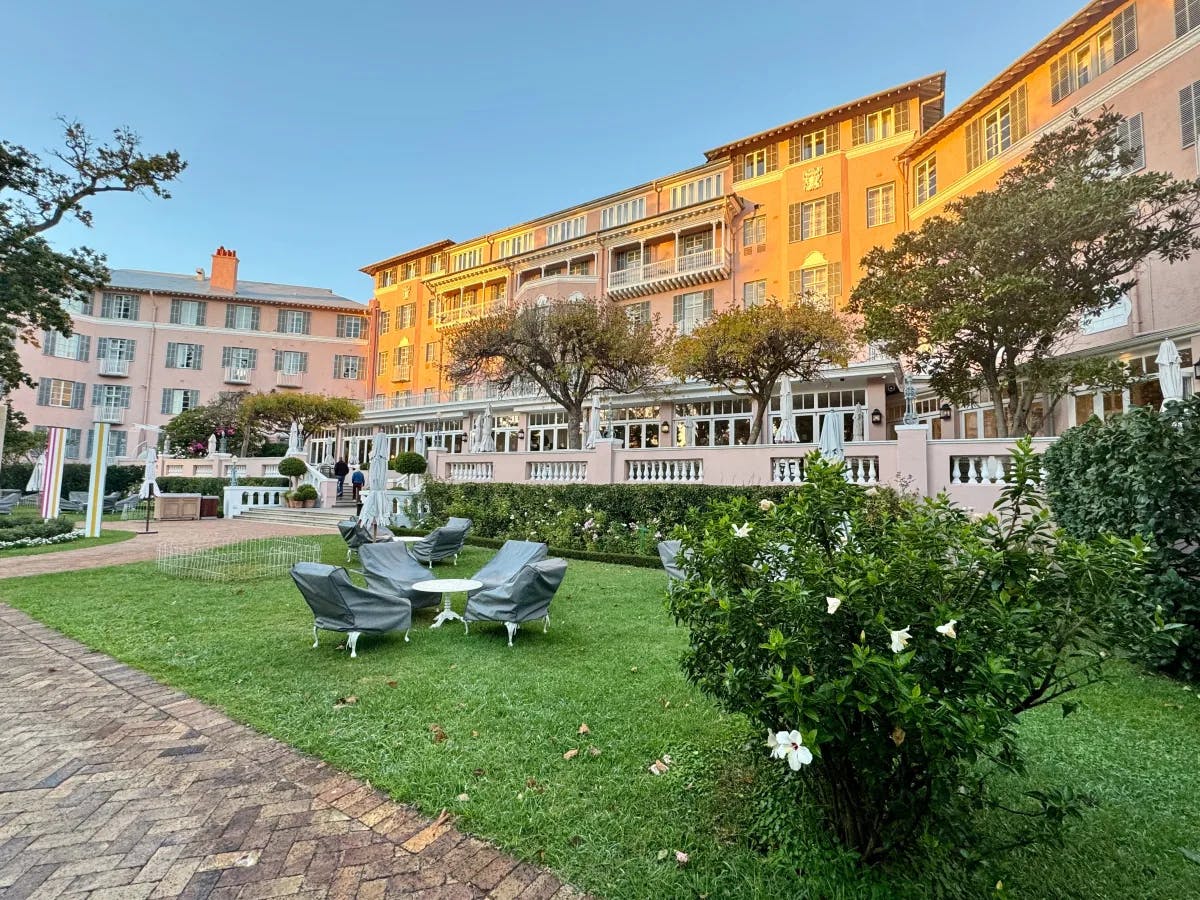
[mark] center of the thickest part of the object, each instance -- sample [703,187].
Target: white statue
[212,445]
[294,439]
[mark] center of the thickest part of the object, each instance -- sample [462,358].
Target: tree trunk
[762,409]
[574,421]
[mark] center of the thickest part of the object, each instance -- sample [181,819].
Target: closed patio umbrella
[35,479]
[419,439]
[150,486]
[787,424]
[831,445]
[593,434]
[375,510]
[1170,375]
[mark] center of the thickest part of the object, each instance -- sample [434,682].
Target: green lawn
[610,660]
[110,536]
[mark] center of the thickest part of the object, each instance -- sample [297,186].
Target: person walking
[357,480]
[341,470]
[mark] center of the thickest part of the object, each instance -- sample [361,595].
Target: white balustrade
[979,469]
[862,469]
[558,471]
[667,268]
[238,499]
[661,471]
[787,470]
[469,471]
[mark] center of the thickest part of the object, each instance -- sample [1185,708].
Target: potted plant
[305,496]
[293,467]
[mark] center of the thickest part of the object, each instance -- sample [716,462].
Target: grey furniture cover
[523,597]
[355,535]
[389,568]
[338,604]
[507,562]
[8,503]
[441,543]
[668,552]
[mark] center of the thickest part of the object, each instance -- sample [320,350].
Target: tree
[275,412]
[18,444]
[224,411]
[572,350]
[988,296]
[35,196]
[747,351]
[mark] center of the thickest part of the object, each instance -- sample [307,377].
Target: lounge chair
[109,503]
[441,543]
[668,552]
[127,506]
[355,536]
[507,562]
[388,567]
[8,503]
[338,604]
[524,597]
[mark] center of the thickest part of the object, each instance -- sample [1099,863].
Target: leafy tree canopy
[274,412]
[747,351]
[19,444]
[35,196]
[194,426]
[570,349]
[988,296]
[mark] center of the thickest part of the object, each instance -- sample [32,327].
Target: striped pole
[56,445]
[95,507]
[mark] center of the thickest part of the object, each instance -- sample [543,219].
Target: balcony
[289,379]
[238,374]
[559,287]
[402,372]
[114,368]
[113,415]
[456,315]
[669,274]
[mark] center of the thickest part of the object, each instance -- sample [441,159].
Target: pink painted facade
[151,344]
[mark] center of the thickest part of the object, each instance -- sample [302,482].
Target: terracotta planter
[309,504]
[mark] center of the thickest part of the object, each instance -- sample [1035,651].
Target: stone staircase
[323,519]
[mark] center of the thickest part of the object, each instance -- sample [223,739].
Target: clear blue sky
[321,137]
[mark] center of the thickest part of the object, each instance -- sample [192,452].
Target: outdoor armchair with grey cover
[355,535]
[388,567]
[441,543]
[338,604]
[522,597]
[668,552]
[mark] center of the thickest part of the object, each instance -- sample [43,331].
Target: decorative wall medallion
[813,178]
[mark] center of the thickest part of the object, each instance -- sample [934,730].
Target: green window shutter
[708,303]
[1124,29]
[166,401]
[91,438]
[833,135]
[253,359]
[230,315]
[130,347]
[833,278]
[307,323]
[834,211]
[1189,111]
[772,157]
[1187,16]
[795,149]
[172,354]
[794,219]
[43,397]
[900,116]
[1060,78]
[77,395]
[858,132]
[95,395]
[739,167]
[278,360]
[202,313]
[198,356]
[1020,113]
[303,362]
[677,310]
[279,320]
[974,136]
[85,348]
[254,318]
[135,311]
[48,339]
[226,352]
[176,311]
[102,348]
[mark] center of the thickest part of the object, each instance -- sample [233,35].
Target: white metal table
[446,587]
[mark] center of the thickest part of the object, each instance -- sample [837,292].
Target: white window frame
[880,125]
[925,179]
[698,190]
[623,213]
[243,317]
[754,293]
[812,212]
[566,229]
[119,306]
[813,144]
[294,322]
[293,362]
[515,244]
[997,124]
[346,324]
[881,204]
[55,395]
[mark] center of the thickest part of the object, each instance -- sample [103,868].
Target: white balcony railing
[657,471]
[473,393]
[558,472]
[469,471]
[289,379]
[116,368]
[237,375]
[112,414]
[978,469]
[455,315]
[679,271]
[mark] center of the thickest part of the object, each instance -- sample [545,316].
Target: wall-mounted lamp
[876,417]
[1196,371]
[520,434]
[664,427]
[946,414]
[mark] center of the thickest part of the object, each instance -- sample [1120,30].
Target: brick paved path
[114,786]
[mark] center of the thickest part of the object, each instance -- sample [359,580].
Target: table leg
[446,614]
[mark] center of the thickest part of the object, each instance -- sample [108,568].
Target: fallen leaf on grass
[463,798]
[660,766]
[594,751]
[479,773]
[533,784]
[681,858]
[662,854]
[345,701]
[392,683]
[439,734]
[572,753]
[583,729]
[474,733]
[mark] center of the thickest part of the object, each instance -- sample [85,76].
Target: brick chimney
[224,270]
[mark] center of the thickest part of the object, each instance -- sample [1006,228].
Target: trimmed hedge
[621,559]
[35,528]
[610,521]
[179,484]
[75,477]
[408,463]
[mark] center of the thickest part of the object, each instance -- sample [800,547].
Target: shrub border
[619,559]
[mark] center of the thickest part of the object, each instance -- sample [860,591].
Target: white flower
[948,629]
[900,639]
[871,492]
[789,745]
[832,604]
[766,505]
[742,532]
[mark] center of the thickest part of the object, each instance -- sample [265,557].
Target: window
[1123,31]
[77,346]
[113,396]
[754,234]
[629,259]
[291,362]
[1062,78]
[410,270]
[518,243]
[468,259]
[58,392]
[351,326]
[925,176]
[406,316]
[120,349]
[1114,42]
[881,204]
[639,312]
[992,134]
[813,144]
[1083,64]
[241,358]
[578,267]
[431,354]
[434,264]
[241,318]
[636,427]
[78,306]
[697,191]
[1189,112]
[1129,133]
[118,443]
[184,356]
[386,278]
[1187,16]
[716,423]
[71,443]
[293,321]
[696,242]
[757,162]
[623,213]
[349,368]
[880,124]
[402,370]
[691,310]
[565,230]
[547,431]
[815,217]
[188,312]
[816,284]
[119,306]
[1113,316]
[429,395]
[385,321]
[177,400]
[754,293]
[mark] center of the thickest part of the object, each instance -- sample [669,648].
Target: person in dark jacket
[341,470]
[357,480]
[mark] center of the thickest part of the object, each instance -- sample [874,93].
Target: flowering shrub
[41,541]
[885,646]
[35,533]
